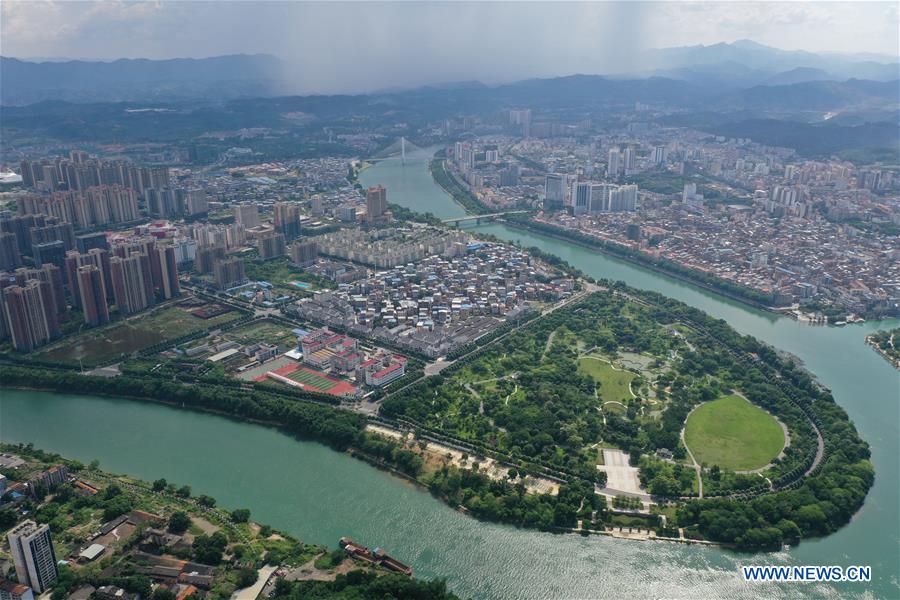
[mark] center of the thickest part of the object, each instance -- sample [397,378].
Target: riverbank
[448,182]
[685,274]
[128,533]
[562,234]
[873,341]
[435,458]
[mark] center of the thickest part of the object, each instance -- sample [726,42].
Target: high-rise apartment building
[315,205]
[128,283]
[554,191]
[169,285]
[63,232]
[30,314]
[32,550]
[247,215]
[509,177]
[197,203]
[286,219]
[376,204]
[581,197]
[305,253]
[272,245]
[628,158]
[92,295]
[599,201]
[97,257]
[53,276]
[51,252]
[229,273]
[623,198]
[612,165]
[660,155]
[89,241]
[10,257]
[206,258]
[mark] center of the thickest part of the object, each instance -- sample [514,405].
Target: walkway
[697,467]
[251,593]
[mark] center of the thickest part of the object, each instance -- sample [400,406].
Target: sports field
[734,434]
[614,384]
[313,380]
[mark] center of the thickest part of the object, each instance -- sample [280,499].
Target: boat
[377,556]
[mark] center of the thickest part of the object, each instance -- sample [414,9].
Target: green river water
[320,495]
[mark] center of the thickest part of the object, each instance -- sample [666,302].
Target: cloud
[351,46]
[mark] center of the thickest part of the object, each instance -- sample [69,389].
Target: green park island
[620,412]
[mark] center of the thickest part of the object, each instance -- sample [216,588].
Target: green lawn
[264,331]
[614,384]
[320,382]
[734,434]
[93,346]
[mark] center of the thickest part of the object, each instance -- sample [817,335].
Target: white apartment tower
[612,168]
[33,556]
[555,191]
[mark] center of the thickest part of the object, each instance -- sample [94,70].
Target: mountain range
[803,107]
[231,76]
[718,69]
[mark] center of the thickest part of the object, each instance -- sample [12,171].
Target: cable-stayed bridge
[400,148]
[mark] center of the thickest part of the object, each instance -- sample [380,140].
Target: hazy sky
[378,45]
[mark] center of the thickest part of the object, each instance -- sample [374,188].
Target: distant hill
[823,139]
[799,75]
[745,63]
[221,77]
[816,140]
[816,96]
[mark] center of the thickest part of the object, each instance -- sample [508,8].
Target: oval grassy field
[734,434]
[614,383]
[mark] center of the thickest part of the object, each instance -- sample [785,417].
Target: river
[319,495]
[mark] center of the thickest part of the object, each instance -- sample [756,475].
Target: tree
[247,577]
[179,522]
[240,515]
[159,485]
[183,492]
[209,548]
[161,593]
[117,506]
[282,587]
[664,485]
[7,519]
[207,501]
[789,531]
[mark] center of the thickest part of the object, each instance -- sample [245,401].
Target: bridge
[478,219]
[399,148]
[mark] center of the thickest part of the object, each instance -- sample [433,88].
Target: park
[734,434]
